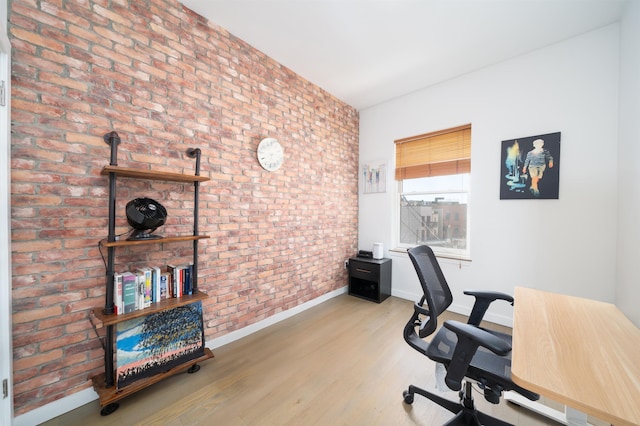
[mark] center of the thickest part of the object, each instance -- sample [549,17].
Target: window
[433,173]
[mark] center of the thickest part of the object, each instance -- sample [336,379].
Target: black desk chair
[466,350]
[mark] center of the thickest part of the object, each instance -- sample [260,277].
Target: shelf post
[112,139]
[195,153]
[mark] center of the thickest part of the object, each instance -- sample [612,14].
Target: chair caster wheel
[408,397]
[109,409]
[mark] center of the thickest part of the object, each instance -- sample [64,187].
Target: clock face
[270,154]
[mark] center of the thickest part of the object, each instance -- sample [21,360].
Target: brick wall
[165,79]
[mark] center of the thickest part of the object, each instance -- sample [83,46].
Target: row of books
[139,289]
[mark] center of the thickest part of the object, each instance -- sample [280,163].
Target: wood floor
[343,362]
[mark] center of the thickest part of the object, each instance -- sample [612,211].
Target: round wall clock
[270,154]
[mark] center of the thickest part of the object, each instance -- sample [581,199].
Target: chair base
[465,411]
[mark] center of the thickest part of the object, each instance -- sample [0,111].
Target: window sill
[439,256]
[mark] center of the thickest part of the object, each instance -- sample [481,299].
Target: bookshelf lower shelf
[163,305]
[109,395]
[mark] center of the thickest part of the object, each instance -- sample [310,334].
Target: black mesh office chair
[466,350]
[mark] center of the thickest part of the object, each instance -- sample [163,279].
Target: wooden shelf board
[173,239]
[163,305]
[152,175]
[109,395]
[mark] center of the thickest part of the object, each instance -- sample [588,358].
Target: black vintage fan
[145,216]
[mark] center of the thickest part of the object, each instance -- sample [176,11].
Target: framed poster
[530,167]
[374,177]
[158,342]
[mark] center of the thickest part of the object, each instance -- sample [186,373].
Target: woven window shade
[447,152]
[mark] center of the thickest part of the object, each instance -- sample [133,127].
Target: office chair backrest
[434,286]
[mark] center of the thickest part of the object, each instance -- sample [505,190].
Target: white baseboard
[78,399]
[56,408]
[243,332]
[405,295]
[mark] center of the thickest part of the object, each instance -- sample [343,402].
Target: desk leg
[569,417]
[575,417]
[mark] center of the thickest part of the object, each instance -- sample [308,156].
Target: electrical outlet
[346,264]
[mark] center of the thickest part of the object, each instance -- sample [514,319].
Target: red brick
[42,358]
[36,314]
[37,39]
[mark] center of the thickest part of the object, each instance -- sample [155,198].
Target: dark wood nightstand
[370,279]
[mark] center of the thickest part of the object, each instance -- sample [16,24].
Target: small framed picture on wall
[530,167]
[374,177]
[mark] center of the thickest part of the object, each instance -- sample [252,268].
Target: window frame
[464,191]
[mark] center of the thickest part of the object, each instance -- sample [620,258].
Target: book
[129,291]
[155,279]
[164,286]
[117,294]
[176,284]
[170,285]
[187,284]
[147,287]
[182,280]
[139,290]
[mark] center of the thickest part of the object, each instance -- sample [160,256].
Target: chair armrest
[469,338]
[482,337]
[483,300]
[492,295]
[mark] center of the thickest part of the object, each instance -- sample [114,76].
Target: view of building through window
[433,211]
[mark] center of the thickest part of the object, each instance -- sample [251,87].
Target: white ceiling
[366,52]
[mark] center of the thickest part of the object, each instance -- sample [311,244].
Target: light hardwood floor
[343,362]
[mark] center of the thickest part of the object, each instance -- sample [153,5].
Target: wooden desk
[579,352]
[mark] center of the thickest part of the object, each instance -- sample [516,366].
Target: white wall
[566,245]
[628,289]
